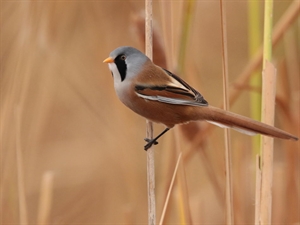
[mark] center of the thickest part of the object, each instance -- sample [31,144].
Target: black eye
[123,57]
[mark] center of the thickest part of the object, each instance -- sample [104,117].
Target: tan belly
[159,112]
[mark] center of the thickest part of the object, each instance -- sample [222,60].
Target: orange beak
[108,60]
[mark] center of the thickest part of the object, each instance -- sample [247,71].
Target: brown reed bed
[59,110]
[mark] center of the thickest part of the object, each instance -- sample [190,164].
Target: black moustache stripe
[122,67]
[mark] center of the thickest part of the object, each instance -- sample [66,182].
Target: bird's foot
[150,143]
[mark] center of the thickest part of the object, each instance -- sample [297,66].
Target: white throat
[121,87]
[116,75]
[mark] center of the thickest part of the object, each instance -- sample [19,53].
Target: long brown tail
[243,124]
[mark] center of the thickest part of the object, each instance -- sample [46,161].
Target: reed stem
[149,129]
[254,19]
[268,110]
[229,195]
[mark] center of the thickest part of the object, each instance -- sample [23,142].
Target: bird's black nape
[121,65]
[154,140]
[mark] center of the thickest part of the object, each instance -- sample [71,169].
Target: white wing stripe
[173,101]
[153,98]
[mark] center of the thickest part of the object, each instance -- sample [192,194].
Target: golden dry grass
[59,113]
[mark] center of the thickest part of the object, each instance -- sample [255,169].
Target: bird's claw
[150,143]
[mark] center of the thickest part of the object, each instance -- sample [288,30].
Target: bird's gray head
[125,62]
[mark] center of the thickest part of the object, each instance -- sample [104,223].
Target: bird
[163,97]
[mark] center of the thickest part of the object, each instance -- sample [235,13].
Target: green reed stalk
[255,81]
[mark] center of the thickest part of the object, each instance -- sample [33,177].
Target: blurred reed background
[71,153]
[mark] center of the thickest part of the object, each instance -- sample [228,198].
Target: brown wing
[171,93]
[198,97]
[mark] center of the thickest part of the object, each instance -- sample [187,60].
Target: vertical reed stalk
[149,131]
[168,32]
[189,8]
[268,108]
[229,195]
[255,81]
[285,22]
[257,189]
[268,24]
